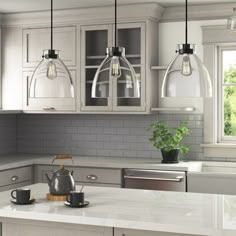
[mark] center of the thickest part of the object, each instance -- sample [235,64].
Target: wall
[7,134]
[173,33]
[100,135]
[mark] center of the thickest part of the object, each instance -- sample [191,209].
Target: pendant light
[51,77]
[232,21]
[117,68]
[186,75]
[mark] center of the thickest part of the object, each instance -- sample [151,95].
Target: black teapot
[62,181]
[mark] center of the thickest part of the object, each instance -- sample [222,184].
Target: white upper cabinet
[82,36]
[37,40]
[115,94]
[48,95]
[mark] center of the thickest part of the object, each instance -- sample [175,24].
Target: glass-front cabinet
[114,94]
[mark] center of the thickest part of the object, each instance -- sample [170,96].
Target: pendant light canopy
[232,21]
[116,67]
[186,75]
[51,77]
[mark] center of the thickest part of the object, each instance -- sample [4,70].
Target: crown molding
[199,12]
[85,15]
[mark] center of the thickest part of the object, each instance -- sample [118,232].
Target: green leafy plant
[166,138]
[229,102]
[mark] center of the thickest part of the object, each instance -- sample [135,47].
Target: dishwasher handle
[176,179]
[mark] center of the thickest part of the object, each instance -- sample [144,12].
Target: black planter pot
[171,156]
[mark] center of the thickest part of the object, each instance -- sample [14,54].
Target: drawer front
[14,186]
[82,174]
[14,176]
[97,175]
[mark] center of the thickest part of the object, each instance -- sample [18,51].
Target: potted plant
[168,140]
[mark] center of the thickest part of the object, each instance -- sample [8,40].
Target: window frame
[215,36]
[220,95]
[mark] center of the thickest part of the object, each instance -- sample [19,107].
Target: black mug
[75,198]
[22,195]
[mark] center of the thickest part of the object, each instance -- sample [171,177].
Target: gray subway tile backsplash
[7,134]
[101,135]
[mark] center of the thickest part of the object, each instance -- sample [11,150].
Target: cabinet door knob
[92,177]
[14,178]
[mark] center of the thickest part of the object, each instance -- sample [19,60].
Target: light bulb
[115,67]
[186,66]
[51,70]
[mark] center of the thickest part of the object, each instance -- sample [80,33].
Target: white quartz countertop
[176,212]
[18,160]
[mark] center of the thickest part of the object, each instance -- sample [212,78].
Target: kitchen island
[121,212]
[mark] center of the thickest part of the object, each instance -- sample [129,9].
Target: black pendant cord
[115,23]
[186,22]
[51,24]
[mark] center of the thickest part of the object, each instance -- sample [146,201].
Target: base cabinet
[23,228]
[133,232]
[90,176]
[215,183]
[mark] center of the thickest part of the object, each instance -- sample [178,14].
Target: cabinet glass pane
[130,39]
[124,91]
[103,88]
[96,44]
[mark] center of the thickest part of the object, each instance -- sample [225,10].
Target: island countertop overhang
[173,212]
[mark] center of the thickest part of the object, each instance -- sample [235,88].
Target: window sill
[224,150]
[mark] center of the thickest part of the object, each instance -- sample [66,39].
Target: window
[227,94]
[219,45]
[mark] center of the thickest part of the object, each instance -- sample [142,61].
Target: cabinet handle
[14,178]
[49,108]
[92,177]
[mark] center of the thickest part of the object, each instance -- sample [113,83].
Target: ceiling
[12,6]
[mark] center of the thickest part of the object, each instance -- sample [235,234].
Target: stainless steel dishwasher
[154,180]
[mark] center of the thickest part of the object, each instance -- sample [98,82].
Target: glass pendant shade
[231,24]
[186,76]
[117,68]
[51,78]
